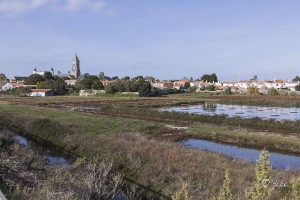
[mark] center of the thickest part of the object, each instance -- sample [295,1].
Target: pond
[278,113]
[277,160]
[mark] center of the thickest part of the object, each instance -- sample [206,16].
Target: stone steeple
[75,71]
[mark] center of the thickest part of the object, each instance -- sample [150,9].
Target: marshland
[141,144]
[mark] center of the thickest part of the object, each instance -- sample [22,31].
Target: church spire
[75,71]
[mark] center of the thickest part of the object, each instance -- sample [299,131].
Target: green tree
[187,85]
[137,78]
[296,79]
[3,77]
[297,87]
[97,85]
[25,91]
[34,79]
[134,86]
[110,88]
[213,78]
[205,77]
[120,87]
[49,84]
[150,78]
[210,78]
[261,189]
[101,76]
[228,91]
[127,86]
[48,76]
[273,91]
[59,87]
[87,82]
[193,89]
[126,78]
[144,87]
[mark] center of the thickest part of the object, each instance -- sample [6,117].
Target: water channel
[53,156]
[277,160]
[263,112]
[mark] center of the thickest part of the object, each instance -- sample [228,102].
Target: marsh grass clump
[261,188]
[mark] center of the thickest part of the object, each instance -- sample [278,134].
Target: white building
[10,86]
[41,92]
[43,72]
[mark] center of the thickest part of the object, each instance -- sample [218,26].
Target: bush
[261,189]
[228,91]
[110,88]
[273,91]
[193,89]
[252,90]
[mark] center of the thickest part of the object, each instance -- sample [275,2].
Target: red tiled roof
[278,81]
[40,90]
[17,84]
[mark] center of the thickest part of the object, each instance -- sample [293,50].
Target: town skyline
[166,40]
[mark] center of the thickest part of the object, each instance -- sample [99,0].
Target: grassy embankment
[24,174]
[159,166]
[275,135]
[242,99]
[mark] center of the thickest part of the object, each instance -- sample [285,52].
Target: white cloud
[87,4]
[12,7]
[15,7]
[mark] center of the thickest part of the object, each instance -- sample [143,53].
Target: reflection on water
[277,113]
[21,140]
[52,155]
[278,160]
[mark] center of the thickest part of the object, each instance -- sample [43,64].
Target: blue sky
[167,39]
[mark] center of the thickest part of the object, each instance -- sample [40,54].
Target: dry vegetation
[140,149]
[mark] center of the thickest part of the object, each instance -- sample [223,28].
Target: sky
[166,39]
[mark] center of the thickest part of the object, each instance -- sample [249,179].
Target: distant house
[162,85]
[41,92]
[70,83]
[10,86]
[105,83]
[229,84]
[18,79]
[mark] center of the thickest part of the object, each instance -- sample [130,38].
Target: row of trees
[47,81]
[137,84]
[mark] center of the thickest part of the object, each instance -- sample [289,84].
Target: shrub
[182,194]
[252,90]
[261,189]
[273,91]
[225,191]
[228,91]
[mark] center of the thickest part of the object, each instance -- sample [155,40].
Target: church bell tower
[75,71]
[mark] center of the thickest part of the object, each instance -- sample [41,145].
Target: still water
[277,160]
[278,113]
[52,155]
